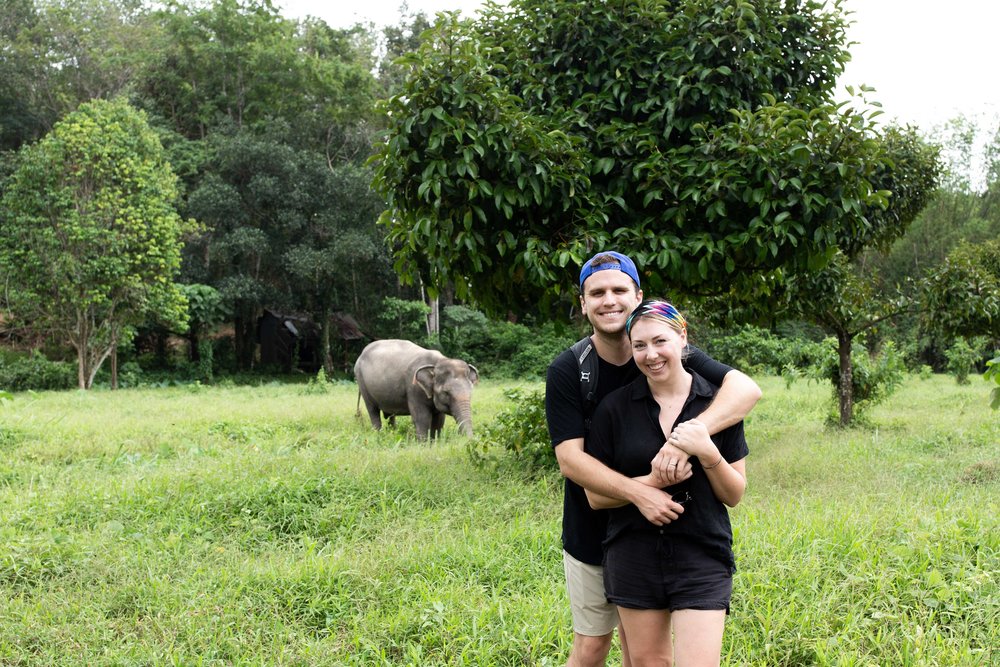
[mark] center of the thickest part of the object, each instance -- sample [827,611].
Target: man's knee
[589,651]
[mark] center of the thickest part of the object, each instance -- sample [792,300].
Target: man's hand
[657,506]
[671,465]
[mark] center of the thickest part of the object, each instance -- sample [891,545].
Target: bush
[37,373]
[962,359]
[399,318]
[536,352]
[754,350]
[499,348]
[521,431]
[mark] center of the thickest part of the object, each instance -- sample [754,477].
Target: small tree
[842,298]
[89,237]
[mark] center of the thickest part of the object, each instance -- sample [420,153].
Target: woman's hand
[692,438]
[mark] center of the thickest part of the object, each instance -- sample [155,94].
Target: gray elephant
[397,377]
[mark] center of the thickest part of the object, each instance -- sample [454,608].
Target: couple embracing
[651,463]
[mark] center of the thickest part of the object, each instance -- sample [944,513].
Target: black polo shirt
[583,528]
[625,435]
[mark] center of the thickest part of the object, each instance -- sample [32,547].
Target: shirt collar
[699,387]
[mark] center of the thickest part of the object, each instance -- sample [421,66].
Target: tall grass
[269,526]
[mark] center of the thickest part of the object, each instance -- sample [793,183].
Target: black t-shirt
[626,434]
[583,528]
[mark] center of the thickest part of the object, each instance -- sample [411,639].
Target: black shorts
[644,570]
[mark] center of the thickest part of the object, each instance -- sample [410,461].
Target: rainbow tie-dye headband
[659,309]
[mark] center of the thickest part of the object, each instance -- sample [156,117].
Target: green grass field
[267,526]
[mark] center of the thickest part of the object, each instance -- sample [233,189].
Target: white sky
[928,60]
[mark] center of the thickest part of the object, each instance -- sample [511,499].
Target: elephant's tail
[357,411]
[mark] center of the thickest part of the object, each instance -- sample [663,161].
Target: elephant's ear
[424,377]
[473,374]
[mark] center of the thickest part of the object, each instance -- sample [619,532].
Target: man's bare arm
[588,472]
[734,401]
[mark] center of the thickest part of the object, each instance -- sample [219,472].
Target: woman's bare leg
[648,633]
[698,637]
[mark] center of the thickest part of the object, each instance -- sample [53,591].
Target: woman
[680,573]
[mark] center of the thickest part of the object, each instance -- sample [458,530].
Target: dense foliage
[670,129]
[35,372]
[699,136]
[517,438]
[266,120]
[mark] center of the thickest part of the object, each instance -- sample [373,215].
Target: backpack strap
[587,362]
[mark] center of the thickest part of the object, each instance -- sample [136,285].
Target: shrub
[399,318]
[37,373]
[521,431]
[536,351]
[758,351]
[962,359]
[500,348]
[319,384]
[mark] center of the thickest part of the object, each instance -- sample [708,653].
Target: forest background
[268,124]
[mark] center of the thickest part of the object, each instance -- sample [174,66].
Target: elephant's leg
[392,421]
[437,423]
[373,413]
[422,420]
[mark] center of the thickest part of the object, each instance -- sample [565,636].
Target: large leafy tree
[60,53]
[89,237]
[844,299]
[334,262]
[701,136]
[241,63]
[284,230]
[266,115]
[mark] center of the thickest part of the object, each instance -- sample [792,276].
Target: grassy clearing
[267,526]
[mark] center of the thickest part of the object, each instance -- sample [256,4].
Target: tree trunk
[845,387]
[434,317]
[114,368]
[81,368]
[245,338]
[194,353]
[324,342]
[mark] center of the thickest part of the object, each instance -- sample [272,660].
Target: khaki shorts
[593,615]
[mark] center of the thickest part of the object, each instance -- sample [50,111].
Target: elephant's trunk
[463,416]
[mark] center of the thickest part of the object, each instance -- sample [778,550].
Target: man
[609,291]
